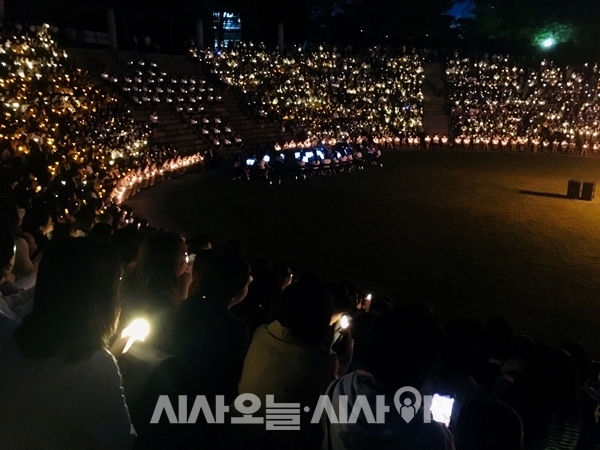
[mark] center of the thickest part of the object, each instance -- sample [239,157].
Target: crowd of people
[305,161]
[495,102]
[193,98]
[65,143]
[500,102]
[103,317]
[75,372]
[326,93]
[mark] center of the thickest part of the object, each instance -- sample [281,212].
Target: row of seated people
[560,144]
[306,163]
[197,97]
[566,145]
[398,141]
[150,83]
[584,145]
[149,174]
[269,166]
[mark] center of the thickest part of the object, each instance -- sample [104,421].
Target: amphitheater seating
[173,129]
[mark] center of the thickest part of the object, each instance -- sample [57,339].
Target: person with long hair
[59,385]
[210,344]
[157,283]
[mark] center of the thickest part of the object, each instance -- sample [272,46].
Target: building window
[227,28]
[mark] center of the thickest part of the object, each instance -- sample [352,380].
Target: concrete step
[190,137]
[174,133]
[435,119]
[171,124]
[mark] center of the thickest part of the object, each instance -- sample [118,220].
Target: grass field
[453,229]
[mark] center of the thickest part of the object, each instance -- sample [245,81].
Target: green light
[549,36]
[548,43]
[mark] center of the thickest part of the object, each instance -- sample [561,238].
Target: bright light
[441,408]
[136,331]
[344,322]
[548,42]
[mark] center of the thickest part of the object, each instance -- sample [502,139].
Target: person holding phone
[298,337]
[404,347]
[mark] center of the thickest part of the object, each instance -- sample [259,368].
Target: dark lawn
[451,228]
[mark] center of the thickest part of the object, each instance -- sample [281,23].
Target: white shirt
[5,309]
[18,305]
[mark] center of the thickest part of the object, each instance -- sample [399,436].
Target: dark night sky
[512,24]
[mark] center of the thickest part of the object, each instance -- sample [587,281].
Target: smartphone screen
[441,408]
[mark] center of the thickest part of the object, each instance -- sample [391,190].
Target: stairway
[435,119]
